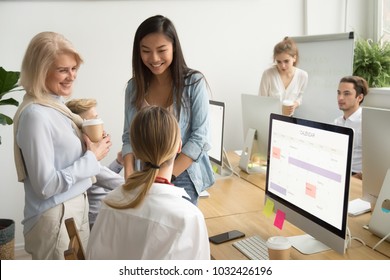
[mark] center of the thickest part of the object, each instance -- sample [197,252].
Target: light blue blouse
[57,168]
[194,126]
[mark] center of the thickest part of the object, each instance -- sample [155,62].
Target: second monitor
[256,111]
[376,151]
[217,155]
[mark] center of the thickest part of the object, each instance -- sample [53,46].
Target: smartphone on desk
[226,236]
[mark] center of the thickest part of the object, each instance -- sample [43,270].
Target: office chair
[75,249]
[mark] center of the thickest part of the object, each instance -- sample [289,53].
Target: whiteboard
[326,59]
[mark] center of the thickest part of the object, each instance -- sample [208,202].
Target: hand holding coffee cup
[288,107]
[279,248]
[94,129]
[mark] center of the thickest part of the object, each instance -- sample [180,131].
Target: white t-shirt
[165,226]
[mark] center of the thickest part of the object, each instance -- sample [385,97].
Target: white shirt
[272,85]
[355,122]
[165,226]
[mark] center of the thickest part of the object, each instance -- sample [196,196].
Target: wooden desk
[236,203]
[257,179]
[229,196]
[256,223]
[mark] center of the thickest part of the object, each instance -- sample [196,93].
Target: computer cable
[380,241]
[349,239]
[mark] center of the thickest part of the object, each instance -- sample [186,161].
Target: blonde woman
[148,217]
[53,159]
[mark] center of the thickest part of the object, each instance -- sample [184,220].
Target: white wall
[230,41]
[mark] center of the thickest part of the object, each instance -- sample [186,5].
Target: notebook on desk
[380,220]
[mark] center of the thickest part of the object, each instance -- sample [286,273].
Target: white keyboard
[254,248]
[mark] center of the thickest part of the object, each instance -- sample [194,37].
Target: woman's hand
[101,148]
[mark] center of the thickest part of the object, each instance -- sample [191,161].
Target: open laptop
[380,219]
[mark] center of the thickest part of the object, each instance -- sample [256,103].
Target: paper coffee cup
[278,248]
[94,129]
[286,107]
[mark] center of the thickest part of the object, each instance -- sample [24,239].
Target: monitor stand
[246,163]
[226,169]
[306,244]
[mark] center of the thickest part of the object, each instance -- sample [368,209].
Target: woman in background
[53,159]
[147,217]
[161,77]
[284,79]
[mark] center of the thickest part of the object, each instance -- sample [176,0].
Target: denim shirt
[194,126]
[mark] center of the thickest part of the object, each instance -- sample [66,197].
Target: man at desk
[350,96]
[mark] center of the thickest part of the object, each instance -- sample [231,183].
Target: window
[383,21]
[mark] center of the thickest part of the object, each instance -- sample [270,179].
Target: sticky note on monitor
[268,207]
[279,219]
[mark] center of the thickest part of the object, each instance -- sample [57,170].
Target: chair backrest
[75,249]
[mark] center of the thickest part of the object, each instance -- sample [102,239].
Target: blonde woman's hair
[81,105]
[287,45]
[40,55]
[155,138]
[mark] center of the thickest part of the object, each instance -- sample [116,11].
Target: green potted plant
[372,62]
[8,83]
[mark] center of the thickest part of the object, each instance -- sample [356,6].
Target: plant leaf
[4,120]
[8,81]
[9,101]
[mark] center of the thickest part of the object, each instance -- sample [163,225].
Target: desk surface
[237,203]
[229,196]
[255,223]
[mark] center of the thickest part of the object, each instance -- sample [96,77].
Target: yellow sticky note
[268,208]
[215,169]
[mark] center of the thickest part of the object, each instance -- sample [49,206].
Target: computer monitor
[217,154]
[375,151]
[256,111]
[377,98]
[308,177]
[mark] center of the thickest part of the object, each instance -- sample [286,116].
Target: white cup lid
[288,102]
[278,243]
[92,122]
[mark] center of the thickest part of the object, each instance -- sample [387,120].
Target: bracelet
[173,178]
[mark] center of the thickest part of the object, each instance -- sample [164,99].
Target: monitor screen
[375,151]
[256,111]
[308,176]
[216,117]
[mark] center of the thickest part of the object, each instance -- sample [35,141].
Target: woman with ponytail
[148,217]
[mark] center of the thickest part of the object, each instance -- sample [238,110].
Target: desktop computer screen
[375,151]
[308,176]
[216,117]
[256,111]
